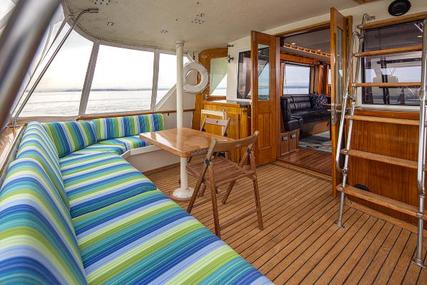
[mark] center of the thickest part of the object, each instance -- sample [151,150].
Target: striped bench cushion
[110,128]
[128,142]
[36,144]
[95,181]
[101,147]
[71,136]
[148,239]
[38,243]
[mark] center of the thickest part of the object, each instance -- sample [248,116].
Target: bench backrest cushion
[71,136]
[119,127]
[37,144]
[38,242]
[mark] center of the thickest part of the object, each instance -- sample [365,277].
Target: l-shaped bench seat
[73,211]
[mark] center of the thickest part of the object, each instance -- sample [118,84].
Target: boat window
[393,68]
[59,91]
[167,74]
[244,75]
[297,79]
[218,77]
[123,81]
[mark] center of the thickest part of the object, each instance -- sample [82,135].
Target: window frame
[360,92]
[91,68]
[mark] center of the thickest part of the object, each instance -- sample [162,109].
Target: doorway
[305,99]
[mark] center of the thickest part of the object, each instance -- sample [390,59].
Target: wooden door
[265,58]
[340,29]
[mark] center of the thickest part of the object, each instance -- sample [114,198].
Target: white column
[184,192]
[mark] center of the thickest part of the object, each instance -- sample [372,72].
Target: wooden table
[183,142]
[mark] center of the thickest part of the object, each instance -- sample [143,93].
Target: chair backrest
[223,122]
[248,143]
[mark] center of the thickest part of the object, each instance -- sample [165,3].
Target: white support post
[184,192]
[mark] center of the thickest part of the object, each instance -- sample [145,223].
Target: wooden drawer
[289,142]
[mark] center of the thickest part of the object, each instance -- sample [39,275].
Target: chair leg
[202,190]
[258,204]
[194,196]
[227,194]
[215,210]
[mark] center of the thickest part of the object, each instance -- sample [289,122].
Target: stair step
[389,51]
[384,120]
[387,84]
[381,200]
[382,158]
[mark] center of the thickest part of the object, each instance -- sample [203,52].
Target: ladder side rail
[346,96]
[422,152]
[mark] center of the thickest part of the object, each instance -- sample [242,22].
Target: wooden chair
[216,171]
[223,123]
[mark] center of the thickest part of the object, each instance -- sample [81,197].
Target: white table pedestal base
[183,193]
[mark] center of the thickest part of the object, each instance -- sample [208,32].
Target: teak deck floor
[300,242]
[311,159]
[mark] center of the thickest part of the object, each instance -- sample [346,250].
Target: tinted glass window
[394,68]
[167,74]
[218,77]
[59,91]
[297,79]
[244,75]
[123,81]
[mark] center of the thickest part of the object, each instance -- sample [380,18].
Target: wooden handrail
[124,114]
[394,21]
[390,51]
[387,84]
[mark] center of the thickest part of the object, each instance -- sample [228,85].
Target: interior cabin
[213,142]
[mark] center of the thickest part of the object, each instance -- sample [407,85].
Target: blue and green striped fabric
[36,144]
[111,128]
[102,147]
[128,142]
[38,242]
[149,239]
[95,181]
[71,136]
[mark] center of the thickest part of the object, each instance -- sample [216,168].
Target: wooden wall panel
[392,140]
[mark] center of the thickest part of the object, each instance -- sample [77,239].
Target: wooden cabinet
[289,141]
[239,119]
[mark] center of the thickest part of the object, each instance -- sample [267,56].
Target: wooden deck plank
[300,242]
[345,269]
[378,261]
[404,261]
[299,268]
[324,271]
[393,258]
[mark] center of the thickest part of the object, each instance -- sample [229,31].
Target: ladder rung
[382,158]
[387,84]
[384,120]
[381,200]
[390,51]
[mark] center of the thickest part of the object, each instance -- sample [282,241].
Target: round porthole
[399,7]
[204,77]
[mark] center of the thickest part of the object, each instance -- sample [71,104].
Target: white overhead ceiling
[200,23]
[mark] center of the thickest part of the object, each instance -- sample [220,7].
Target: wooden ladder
[349,115]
